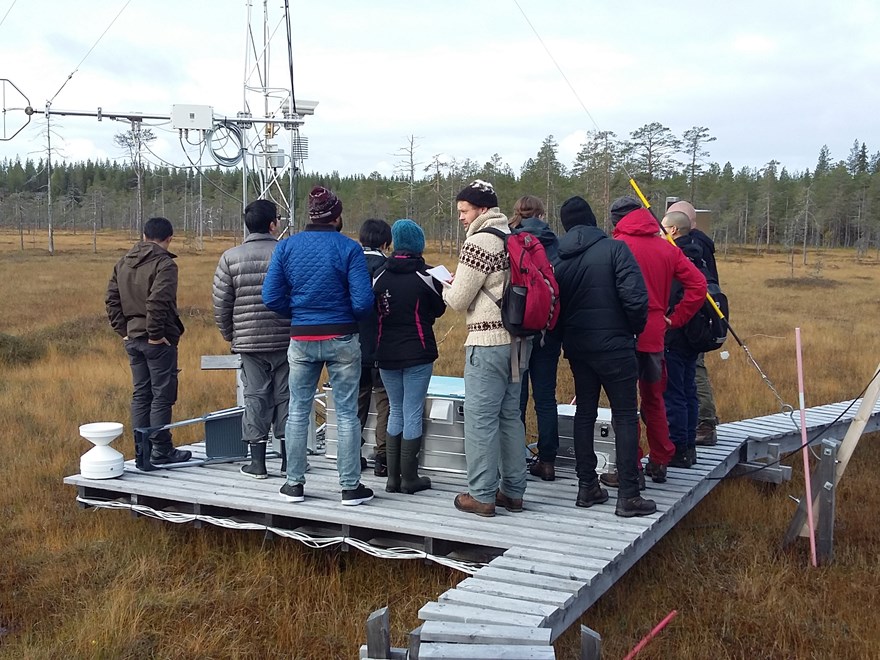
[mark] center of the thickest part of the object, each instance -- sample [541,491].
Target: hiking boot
[465,502]
[656,471]
[512,504]
[355,496]
[589,495]
[543,469]
[363,463]
[165,453]
[706,434]
[380,469]
[629,507]
[681,458]
[610,479]
[292,492]
[257,467]
[692,455]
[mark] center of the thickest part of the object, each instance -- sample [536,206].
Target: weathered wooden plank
[512,576]
[464,614]
[559,599]
[434,650]
[232,361]
[482,633]
[396,654]
[542,569]
[476,599]
[555,558]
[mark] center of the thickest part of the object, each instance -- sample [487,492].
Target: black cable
[290,58]
[810,441]
[198,168]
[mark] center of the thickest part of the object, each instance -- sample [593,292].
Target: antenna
[265,156]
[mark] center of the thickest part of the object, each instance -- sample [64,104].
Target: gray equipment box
[443,427]
[603,440]
[443,444]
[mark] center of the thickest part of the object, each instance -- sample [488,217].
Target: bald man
[708,414]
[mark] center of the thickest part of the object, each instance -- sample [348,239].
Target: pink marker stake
[805,451]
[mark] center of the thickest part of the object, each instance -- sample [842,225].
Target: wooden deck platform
[543,580]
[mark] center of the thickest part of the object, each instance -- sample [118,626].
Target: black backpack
[707,331]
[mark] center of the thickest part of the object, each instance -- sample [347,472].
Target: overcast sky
[770,79]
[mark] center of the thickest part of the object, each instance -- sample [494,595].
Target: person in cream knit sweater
[494,435]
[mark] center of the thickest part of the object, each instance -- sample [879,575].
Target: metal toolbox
[443,426]
[603,439]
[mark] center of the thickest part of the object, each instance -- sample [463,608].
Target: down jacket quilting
[237,293]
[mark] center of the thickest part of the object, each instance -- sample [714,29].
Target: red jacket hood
[640,222]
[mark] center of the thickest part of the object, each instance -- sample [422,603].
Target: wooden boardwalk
[542,568]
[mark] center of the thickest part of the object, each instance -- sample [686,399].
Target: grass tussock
[100,584]
[802,283]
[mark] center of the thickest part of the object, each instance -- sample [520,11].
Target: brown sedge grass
[101,584]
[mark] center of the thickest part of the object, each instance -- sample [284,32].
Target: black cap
[622,206]
[576,211]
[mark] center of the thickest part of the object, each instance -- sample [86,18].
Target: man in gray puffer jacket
[258,334]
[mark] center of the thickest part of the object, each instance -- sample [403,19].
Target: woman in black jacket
[408,300]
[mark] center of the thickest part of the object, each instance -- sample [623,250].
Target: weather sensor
[101,461]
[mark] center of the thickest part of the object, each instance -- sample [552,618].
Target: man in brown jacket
[142,307]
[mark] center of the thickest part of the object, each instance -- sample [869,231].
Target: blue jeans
[682,404]
[543,365]
[406,390]
[494,434]
[342,356]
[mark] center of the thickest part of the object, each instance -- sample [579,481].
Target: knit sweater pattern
[482,262]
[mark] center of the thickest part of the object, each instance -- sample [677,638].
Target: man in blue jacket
[319,279]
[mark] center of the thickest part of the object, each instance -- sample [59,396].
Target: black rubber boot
[257,466]
[410,481]
[392,460]
[164,453]
[283,457]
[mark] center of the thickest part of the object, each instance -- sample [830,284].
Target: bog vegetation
[101,584]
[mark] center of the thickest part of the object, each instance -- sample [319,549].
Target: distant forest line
[836,204]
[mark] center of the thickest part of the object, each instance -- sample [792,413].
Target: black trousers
[619,378]
[154,376]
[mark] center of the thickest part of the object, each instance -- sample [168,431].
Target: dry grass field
[101,584]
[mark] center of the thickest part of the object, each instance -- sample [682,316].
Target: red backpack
[530,301]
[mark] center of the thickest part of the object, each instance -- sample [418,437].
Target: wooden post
[379,634]
[415,640]
[827,492]
[591,644]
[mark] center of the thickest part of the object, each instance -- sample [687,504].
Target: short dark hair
[158,229]
[259,214]
[375,233]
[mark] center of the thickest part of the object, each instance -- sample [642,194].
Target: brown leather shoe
[465,502]
[512,504]
[610,479]
[542,469]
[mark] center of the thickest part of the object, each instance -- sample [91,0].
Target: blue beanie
[408,237]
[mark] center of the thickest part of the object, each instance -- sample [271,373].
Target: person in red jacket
[660,263]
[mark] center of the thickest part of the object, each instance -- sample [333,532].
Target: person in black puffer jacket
[604,305]
[375,238]
[256,333]
[408,300]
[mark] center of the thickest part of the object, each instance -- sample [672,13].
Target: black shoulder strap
[495,232]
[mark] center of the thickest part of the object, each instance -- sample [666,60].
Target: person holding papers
[408,301]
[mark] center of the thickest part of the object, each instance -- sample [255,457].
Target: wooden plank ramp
[531,574]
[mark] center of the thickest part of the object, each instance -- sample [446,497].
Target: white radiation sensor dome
[101,461]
